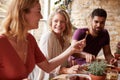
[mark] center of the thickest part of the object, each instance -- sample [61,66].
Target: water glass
[118,63]
[112,75]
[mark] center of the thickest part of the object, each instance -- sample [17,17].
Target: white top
[50,47]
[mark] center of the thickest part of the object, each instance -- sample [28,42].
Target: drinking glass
[112,75]
[118,63]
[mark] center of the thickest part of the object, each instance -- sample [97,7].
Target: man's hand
[89,57]
[113,61]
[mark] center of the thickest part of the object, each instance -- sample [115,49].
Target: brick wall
[81,9]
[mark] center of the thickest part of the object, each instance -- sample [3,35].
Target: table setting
[110,72]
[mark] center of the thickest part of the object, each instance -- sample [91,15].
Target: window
[46,7]
[3,7]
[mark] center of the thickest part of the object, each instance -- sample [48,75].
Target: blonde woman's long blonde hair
[14,24]
[67,33]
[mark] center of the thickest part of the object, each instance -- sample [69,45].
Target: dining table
[83,74]
[71,77]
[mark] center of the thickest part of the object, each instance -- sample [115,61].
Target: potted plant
[117,53]
[97,70]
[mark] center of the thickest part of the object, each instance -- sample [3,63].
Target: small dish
[78,77]
[72,77]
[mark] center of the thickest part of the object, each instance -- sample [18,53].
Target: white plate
[79,75]
[68,76]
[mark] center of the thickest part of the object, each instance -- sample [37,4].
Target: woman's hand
[78,46]
[56,61]
[73,70]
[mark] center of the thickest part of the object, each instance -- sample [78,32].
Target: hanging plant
[57,2]
[62,4]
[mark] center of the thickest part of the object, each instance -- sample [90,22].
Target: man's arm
[107,53]
[89,57]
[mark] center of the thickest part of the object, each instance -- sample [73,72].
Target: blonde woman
[54,42]
[19,51]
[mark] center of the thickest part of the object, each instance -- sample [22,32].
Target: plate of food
[60,77]
[83,69]
[72,77]
[78,77]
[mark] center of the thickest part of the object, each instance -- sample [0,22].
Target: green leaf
[97,67]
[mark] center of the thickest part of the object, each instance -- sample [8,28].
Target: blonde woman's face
[34,16]
[58,24]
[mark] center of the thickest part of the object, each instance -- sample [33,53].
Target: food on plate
[112,75]
[84,66]
[109,67]
[78,78]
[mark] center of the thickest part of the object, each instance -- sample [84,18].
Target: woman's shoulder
[2,36]
[47,38]
[3,39]
[48,35]
[29,35]
[31,38]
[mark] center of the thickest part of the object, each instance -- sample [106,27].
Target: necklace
[20,47]
[61,40]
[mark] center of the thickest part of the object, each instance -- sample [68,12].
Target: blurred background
[79,12]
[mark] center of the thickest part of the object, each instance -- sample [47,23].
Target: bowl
[78,77]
